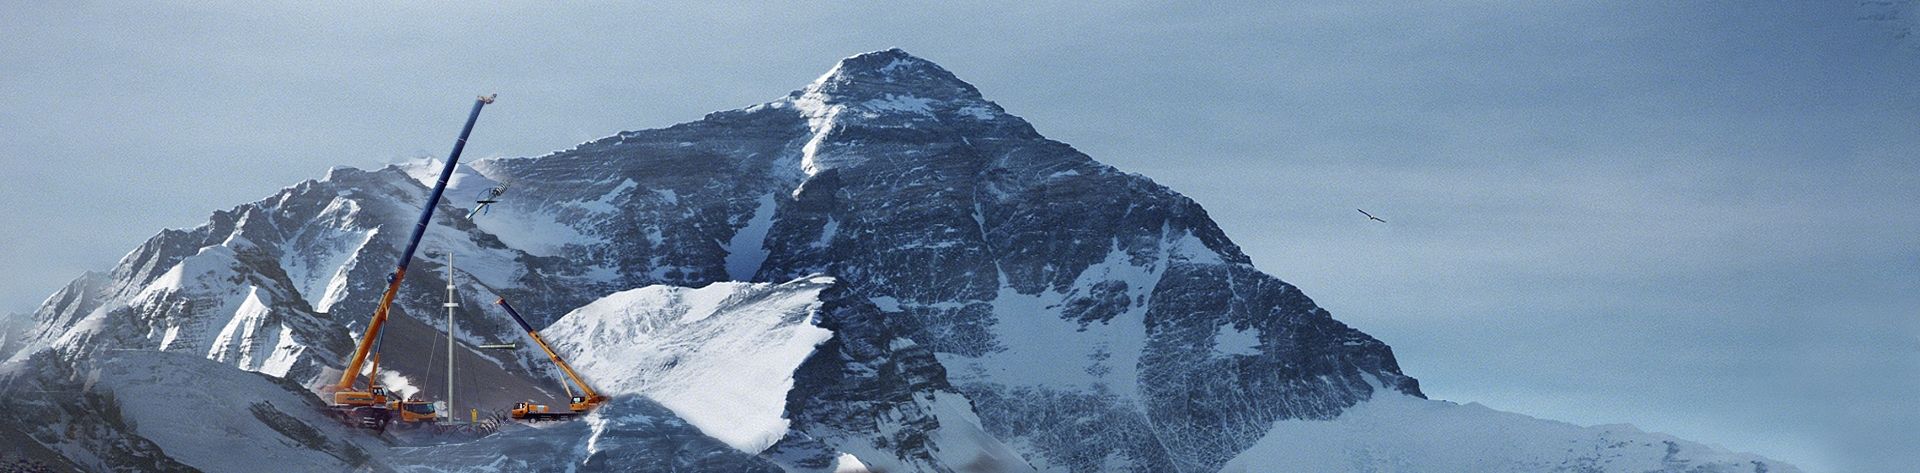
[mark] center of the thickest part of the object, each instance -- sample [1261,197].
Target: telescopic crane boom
[344,395]
[587,399]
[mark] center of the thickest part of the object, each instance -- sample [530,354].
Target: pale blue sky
[1693,216]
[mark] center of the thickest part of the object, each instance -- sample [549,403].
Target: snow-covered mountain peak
[890,89]
[883,268]
[891,72]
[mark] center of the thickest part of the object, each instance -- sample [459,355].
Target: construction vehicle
[538,412]
[579,404]
[375,407]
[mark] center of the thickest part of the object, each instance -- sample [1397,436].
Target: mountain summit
[890,92]
[882,269]
[999,265]
[892,72]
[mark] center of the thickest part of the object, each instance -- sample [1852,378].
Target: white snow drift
[722,357]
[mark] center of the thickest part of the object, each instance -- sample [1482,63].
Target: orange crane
[374,407]
[587,400]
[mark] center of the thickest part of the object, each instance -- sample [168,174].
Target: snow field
[1396,433]
[721,357]
[1045,349]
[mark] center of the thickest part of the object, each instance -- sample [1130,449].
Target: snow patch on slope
[604,205]
[960,444]
[963,444]
[1398,433]
[1188,247]
[252,340]
[1044,348]
[238,327]
[900,104]
[747,250]
[537,231]
[822,118]
[321,276]
[1233,341]
[722,357]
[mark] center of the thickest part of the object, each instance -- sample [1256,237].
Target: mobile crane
[587,400]
[375,407]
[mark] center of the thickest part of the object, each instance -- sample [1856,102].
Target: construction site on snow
[376,407]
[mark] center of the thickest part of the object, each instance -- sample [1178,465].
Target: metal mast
[451,305]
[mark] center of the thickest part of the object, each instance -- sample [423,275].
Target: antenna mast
[451,305]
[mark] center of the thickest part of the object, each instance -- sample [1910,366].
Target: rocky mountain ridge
[1084,318]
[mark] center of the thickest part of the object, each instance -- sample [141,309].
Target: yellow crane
[587,400]
[375,407]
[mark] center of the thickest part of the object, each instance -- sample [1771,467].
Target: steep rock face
[227,300]
[755,363]
[872,397]
[1040,282]
[56,421]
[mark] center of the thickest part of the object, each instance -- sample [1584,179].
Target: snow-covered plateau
[881,271]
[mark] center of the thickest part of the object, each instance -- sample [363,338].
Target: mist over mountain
[881,270]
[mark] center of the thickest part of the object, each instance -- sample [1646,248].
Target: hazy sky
[1697,217]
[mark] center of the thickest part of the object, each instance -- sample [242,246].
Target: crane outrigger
[373,408]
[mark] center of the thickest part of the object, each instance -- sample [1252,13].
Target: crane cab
[376,406]
[585,403]
[416,411]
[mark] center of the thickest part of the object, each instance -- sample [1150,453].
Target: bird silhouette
[1370,216]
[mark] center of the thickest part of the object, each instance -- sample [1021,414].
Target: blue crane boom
[352,374]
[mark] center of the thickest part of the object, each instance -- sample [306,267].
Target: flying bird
[1370,216]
